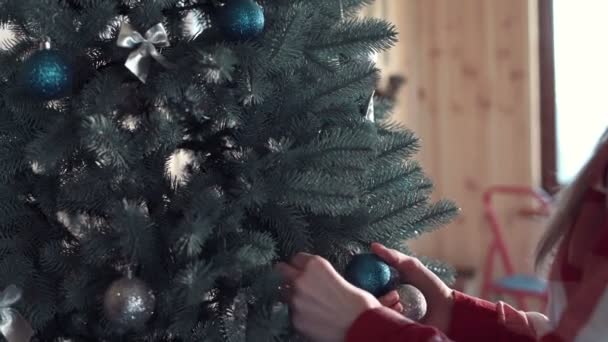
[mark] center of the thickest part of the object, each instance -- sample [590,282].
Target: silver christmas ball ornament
[413,302]
[129,303]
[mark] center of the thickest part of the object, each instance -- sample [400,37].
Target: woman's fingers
[385,254]
[300,260]
[389,299]
[400,261]
[392,301]
[322,303]
[412,271]
[438,295]
[397,307]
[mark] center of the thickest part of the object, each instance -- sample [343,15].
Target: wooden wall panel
[472,96]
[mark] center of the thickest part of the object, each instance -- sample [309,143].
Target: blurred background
[502,93]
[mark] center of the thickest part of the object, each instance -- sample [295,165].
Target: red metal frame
[498,247]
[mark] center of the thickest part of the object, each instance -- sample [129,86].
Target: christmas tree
[157,157]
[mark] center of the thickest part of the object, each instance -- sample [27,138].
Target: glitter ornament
[47,74]
[370,273]
[413,302]
[129,303]
[240,19]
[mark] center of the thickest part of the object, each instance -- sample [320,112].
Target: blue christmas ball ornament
[47,75]
[241,19]
[370,273]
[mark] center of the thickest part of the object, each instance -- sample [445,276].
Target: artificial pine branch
[200,179]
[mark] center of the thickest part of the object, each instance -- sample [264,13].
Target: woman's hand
[392,301]
[324,305]
[438,295]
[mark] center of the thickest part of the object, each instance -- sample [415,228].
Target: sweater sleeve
[388,326]
[583,318]
[474,319]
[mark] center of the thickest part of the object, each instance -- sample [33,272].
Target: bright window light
[581,78]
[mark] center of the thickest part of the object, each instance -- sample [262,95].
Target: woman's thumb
[411,270]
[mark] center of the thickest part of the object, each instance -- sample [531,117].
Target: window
[579,41]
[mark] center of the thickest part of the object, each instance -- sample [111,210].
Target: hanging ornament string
[129,302]
[12,325]
[138,61]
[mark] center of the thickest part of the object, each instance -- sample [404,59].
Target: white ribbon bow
[12,325]
[138,61]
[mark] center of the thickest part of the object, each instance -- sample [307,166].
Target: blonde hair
[569,202]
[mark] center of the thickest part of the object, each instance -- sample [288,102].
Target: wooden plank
[471,96]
